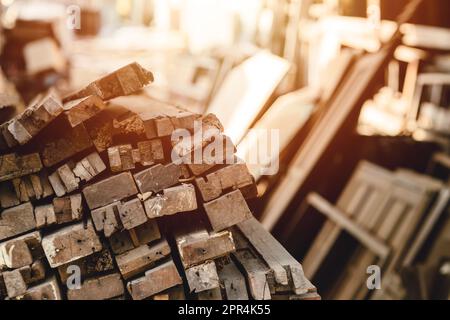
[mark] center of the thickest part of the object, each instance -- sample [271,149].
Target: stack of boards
[88,187]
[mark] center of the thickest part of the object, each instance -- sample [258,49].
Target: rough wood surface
[202,277]
[92,265]
[99,288]
[15,166]
[233,281]
[48,290]
[110,190]
[158,178]
[234,176]
[78,111]
[172,201]
[155,280]
[227,211]
[132,214]
[287,271]
[141,258]
[122,241]
[106,219]
[68,143]
[36,117]
[122,82]
[70,243]
[17,220]
[196,248]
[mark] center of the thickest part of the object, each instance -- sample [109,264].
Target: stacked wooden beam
[96,186]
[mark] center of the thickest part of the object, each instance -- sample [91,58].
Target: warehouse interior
[340,108]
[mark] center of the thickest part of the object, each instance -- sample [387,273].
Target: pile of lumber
[89,186]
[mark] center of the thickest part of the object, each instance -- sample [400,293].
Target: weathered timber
[15,166]
[80,110]
[141,258]
[68,209]
[94,264]
[124,157]
[106,219]
[99,288]
[202,277]
[17,220]
[35,118]
[234,176]
[174,200]
[110,190]
[48,290]
[213,294]
[153,117]
[233,282]
[14,283]
[124,81]
[198,247]
[69,142]
[227,210]
[68,177]
[132,214]
[158,178]
[70,243]
[155,281]
[15,254]
[287,270]
[122,241]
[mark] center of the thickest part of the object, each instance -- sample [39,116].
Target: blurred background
[359,91]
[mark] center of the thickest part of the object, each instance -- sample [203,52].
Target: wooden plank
[202,277]
[233,281]
[15,254]
[68,143]
[48,290]
[99,288]
[97,263]
[68,209]
[14,282]
[124,157]
[106,219]
[173,200]
[227,210]
[70,243]
[141,258]
[122,242]
[110,190]
[124,81]
[287,270]
[155,280]
[198,247]
[16,220]
[153,117]
[158,178]
[132,214]
[80,110]
[15,166]
[89,167]
[36,117]
[235,176]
